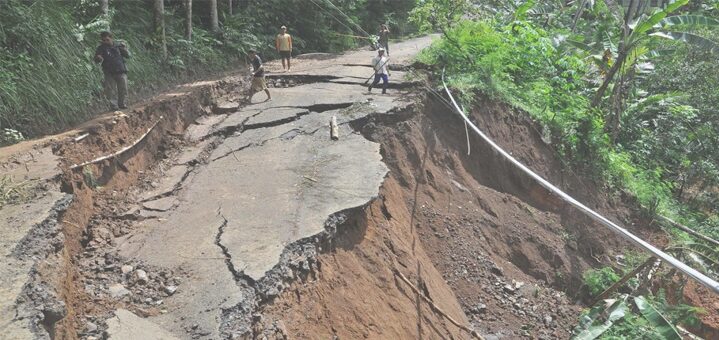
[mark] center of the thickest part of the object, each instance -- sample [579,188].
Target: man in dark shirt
[112,56]
[384,38]
[258,77]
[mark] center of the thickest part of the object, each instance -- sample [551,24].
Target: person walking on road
[384,38]
[283,44]
[258,77]
[112,56]
[379,64]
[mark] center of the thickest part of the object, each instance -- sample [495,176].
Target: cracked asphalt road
[273,177]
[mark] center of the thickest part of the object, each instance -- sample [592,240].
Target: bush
[519,64]
[598,280]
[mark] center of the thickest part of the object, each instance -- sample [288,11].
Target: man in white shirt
[380,63]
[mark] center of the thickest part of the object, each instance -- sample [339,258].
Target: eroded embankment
[476,237]
[158,221]
[62,277]
[512,254]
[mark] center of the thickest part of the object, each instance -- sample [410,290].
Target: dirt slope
[483,242]
[355,294]
[508,249]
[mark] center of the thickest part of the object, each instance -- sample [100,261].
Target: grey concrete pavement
[127,326]
[23,226]
[273,177]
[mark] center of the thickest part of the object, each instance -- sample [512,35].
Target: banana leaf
[657,17]
[689,38]
[656,319]
[591,331]
[690,20]
[521,12]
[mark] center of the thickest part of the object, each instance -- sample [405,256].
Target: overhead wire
[689,271]
[334,17]
[347,17]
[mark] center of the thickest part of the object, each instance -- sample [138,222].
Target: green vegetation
[598,280]
[635,317]
[48,80]
[626,93]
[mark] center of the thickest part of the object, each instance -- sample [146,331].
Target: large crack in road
[174,263]
[278,177]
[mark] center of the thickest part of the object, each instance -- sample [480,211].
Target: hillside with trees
[48,80]
[397,222]
[624,92]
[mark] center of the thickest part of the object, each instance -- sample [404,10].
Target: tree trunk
[214,23]
[612,125]
[608,78]
[578,15]
[624,50]
[229,7]
[104,6]
[188,20]
[158,12]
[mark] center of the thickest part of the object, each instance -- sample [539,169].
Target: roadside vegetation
[48,80]
[625,94]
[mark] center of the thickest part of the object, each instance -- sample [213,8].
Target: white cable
[691,272]
[348,18]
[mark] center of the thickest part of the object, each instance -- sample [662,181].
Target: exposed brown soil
[492,248]
[98,188]
[509,249]
[355,294]
[512,253]
[698,295]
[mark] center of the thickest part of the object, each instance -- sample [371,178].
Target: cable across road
[681,266]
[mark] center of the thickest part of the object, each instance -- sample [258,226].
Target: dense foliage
[48,80]
[625,92]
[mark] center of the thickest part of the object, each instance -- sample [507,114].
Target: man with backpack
[112,56]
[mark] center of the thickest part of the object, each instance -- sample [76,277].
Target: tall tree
[214,23]
[636,32]
[158,16]
[104,6]
[188,20]
[229,7]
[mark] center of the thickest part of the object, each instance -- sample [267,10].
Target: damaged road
[271,177]
[190,232]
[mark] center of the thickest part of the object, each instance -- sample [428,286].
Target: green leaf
[591,332]
[656,319]
[657,17]
[690,20]
[689,38]
[521,12]
[580,45]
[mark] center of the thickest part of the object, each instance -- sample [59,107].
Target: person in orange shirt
[283,43]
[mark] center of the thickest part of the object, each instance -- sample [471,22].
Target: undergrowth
[525,66]
[528,66]
[598,280]
[48,80]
